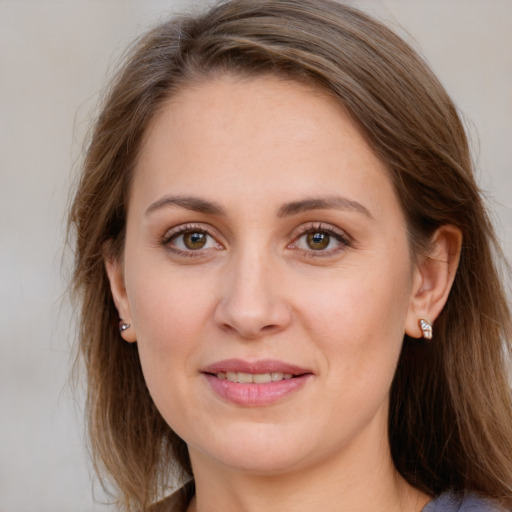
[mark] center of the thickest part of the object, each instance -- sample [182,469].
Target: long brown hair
[450,422]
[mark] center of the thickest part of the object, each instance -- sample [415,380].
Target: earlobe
[433,280]
[117,287]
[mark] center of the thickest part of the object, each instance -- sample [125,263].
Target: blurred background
[55,56]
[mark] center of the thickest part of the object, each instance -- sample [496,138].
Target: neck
[359,481]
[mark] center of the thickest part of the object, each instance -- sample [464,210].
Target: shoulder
[450,501]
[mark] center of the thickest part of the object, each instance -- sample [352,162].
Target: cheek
[362,309]
[169,316]
[169,313]
[359,321]
[360,325]
[163,300]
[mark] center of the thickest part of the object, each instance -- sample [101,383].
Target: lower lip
[253,395]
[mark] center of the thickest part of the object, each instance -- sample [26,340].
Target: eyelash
[183,230]
[341,237]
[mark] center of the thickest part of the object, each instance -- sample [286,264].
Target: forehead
[255,137]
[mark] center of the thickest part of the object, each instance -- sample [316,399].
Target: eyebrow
[192,203]
[322,203]
[197,204]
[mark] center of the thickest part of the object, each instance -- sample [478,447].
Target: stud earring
[123,326]
[426,329]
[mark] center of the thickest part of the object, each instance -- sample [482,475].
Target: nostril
[252,315]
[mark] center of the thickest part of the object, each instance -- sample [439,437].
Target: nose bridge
[250,302]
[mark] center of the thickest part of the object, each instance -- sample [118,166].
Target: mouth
[256,372]
[255,383]
[253,378]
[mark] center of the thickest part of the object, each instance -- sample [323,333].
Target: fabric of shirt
[461,502]
[445,502]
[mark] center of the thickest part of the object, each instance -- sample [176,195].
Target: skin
[260,289]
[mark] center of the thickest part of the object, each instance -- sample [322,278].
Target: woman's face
[266,276]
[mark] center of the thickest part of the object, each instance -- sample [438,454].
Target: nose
[252,302]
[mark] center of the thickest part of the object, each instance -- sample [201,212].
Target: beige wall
[54,56]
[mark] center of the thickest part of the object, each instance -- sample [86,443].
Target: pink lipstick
[255,383]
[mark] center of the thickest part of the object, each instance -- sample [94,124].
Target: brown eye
[321,241]
[191,240]
[194,240]
[318,240]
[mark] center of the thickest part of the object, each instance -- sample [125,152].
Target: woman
[286,271]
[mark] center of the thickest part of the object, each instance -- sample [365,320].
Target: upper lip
[255,367]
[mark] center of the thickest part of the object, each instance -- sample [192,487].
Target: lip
[261,366]
[252,394]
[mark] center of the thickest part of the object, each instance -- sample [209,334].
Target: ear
[433,278]
[115,272]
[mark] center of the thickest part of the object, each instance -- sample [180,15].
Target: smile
[253,384]
[254,378]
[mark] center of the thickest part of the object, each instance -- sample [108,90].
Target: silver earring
[123,326]
[426,329]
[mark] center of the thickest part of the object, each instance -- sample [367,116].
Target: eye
[193,240]
[322,240]
[189,239]
[318,241]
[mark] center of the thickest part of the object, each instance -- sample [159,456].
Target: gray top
[445,502]
[458,502]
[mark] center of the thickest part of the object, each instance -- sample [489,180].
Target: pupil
[194,240]
[317,241]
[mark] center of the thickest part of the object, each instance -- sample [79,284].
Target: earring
[426,329]
[123,326]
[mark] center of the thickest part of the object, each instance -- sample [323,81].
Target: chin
[256,450]
[267,464]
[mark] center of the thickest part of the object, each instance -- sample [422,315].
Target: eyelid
[344,239]
[188,228]
[308,227]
